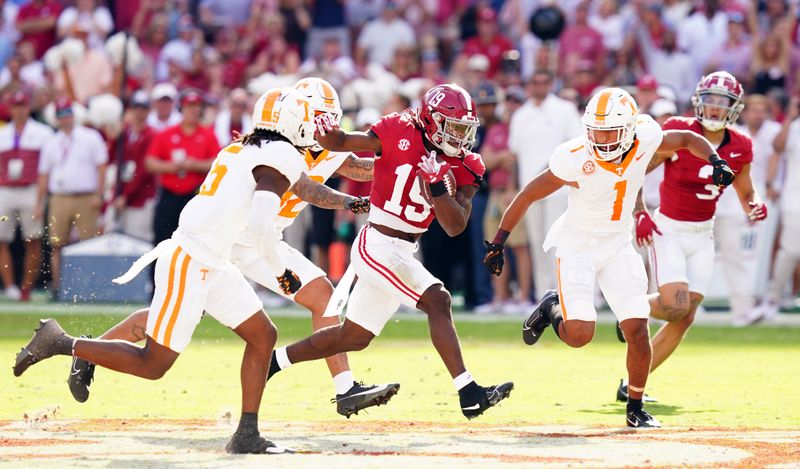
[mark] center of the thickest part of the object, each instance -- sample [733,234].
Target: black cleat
[360,397]
[622,393]
[539,319]
[80,377]
[641,419]
[248,443]
[46,341]
[620,335]
[477,402]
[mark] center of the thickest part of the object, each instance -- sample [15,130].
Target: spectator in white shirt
[20,143]
[164,114]
[381,36]
[701,34]
[234,117]
[72,167]
[787,147]
[177,51]
[88,16]
[8,30]
[610,24]
[672,66]
[536,129]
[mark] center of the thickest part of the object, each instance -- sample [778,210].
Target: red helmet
[708,93]
[448,117]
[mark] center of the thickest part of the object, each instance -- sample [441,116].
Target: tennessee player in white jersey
[604,170]
[193,273]
[316,290]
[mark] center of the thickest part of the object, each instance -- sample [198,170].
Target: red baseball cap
[191,97]
[647,82]
[487,14]
[20,98]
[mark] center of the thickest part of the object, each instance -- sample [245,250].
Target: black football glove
[494,259]
[358,205]
[723,174]
[289,282]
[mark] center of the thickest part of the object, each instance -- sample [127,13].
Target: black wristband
[501,236]
[438,188]
[713,158]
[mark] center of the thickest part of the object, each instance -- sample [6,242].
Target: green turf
[719,377]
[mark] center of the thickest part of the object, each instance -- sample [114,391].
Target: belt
[392,233]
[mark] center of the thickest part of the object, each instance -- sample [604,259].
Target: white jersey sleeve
[279,155]
[649,134]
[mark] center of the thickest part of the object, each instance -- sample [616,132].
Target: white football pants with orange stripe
[388,275]
[185,287]
[622,279]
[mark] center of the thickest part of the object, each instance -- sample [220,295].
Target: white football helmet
[610,109]
[322,97]
[288,113]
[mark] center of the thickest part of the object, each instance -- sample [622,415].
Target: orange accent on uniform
[602,105]
[269,104]
[233,148]
[311,161]
[560,292]
[576,149]
[170,285]
[177,309]
[612,167]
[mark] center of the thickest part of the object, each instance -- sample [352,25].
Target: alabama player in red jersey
[682,252]
[420,155]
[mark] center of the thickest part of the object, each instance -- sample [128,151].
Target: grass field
[720,380]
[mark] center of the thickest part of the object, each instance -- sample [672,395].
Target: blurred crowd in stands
[114,109]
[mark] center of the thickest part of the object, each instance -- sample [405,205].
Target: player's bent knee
[436,301]
[578,333]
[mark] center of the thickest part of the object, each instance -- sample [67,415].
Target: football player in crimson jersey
[681,232]
[415,152]
[604,170]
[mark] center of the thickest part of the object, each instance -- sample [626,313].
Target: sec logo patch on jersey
[589,168]
[403,144]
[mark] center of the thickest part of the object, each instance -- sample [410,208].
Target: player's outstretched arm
[323,196]
[698,146]
[357,169]
[331,137]
[538,188]
[751,202]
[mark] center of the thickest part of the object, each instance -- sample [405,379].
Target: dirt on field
[48,441]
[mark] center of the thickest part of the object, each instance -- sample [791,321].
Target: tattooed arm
[321,195]
[357,169]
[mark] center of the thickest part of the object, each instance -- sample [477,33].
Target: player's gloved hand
[494,259]
[722,174]
[758,211]
[357,204]
[431,169]
[474,164]
[325,123]
[289,282]
[645,227]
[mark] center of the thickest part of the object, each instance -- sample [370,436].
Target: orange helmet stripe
[327,92]
[269,104]
[602,106]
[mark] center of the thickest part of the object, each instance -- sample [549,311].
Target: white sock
[282,358]
[343,381]
[462,380]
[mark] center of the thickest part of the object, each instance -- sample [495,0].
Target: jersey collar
[311,161]
[619,168]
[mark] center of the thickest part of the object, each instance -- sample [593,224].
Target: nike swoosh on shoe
[472,407]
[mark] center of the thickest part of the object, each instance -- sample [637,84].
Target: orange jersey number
[620,188]
[289,201]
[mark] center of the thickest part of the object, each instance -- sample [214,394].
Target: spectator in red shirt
[180,156]
[489,41]
[580,42]
[137,186]
[37,23]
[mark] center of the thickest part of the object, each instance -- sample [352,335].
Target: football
[449,182]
